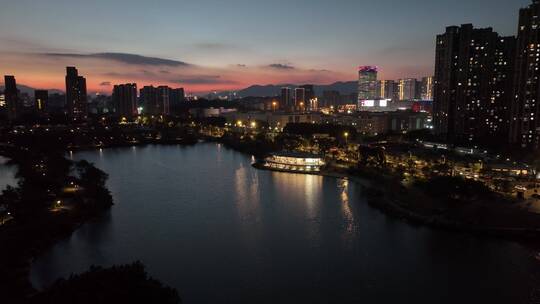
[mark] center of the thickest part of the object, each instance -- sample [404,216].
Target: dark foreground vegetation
[53,197]
[118,284]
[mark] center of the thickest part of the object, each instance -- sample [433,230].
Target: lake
[205,222]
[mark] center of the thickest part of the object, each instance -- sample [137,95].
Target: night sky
[207,45]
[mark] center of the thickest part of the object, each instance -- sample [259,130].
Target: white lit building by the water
[294,162]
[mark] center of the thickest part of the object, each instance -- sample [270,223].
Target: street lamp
[274,105]
[346,134]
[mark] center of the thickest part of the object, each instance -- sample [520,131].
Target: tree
[118,284]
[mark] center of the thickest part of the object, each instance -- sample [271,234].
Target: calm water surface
[204,221]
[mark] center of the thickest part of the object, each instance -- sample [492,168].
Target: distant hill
[29,90]
[343,88]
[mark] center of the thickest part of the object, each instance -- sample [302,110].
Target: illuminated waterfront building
[294,162]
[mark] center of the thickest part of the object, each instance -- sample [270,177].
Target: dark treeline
[118,284]
[53,197]
[308,129]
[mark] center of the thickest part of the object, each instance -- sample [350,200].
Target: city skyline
[220,51]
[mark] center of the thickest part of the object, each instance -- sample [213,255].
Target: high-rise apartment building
[124,99]
[156,101]
[299,98]
[76,97]
[285,97]
[11,95]
[177,96]
[525,105]
[472,84]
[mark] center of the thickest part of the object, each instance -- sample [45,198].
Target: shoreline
[16,278]
[385,204]
[376,198]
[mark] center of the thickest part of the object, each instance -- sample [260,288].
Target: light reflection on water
[206,222]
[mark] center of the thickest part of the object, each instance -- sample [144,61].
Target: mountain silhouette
[343,87]
[29,90]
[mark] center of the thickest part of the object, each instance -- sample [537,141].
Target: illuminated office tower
[367,82]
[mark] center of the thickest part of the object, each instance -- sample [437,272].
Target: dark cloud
[241,65]
[123,58]
[320,71]
[105,84]
[281,66]
[147,73]
[164,72]
[203,79]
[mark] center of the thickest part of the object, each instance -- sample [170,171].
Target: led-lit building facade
[41,101]
[408,89]
[386,89]
[426,88]
[367,82]
[525,124]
